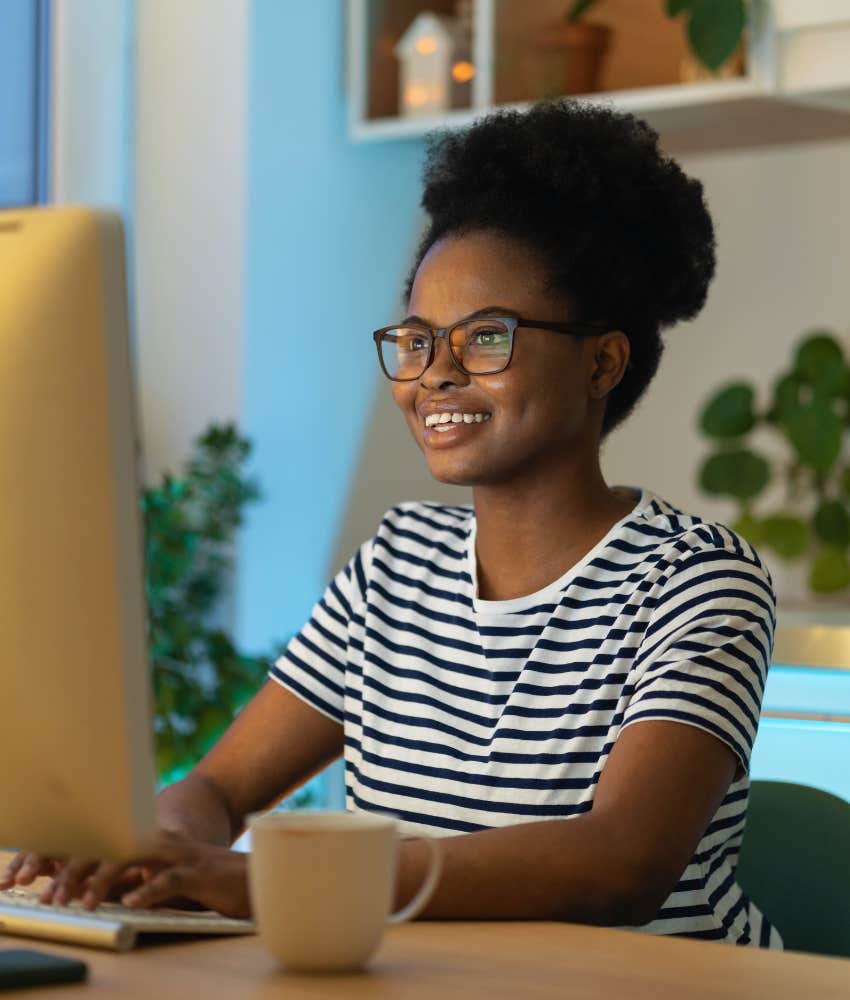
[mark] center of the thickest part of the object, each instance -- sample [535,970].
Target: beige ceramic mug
[322,885]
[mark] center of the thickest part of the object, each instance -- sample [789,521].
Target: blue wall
[331,228]
[19,126]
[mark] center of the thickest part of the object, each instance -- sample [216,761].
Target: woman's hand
[70,876]
[176,872]
[182,871]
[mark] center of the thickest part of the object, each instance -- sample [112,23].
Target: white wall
[148,118]
[189,209]
[782,218]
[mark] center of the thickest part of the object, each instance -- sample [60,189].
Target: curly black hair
[623,234]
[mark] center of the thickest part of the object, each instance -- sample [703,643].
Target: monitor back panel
[76,763]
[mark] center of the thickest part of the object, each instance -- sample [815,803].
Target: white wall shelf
[796,86]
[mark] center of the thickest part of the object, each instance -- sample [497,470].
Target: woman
[565,677]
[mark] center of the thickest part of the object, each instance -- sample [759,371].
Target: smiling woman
[563,678]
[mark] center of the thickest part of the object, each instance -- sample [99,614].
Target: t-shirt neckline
[545,594]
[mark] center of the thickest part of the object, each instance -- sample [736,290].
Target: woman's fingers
[67,884]
[165,886]
[10,872]
[103,881]
[214,877]
[25,868]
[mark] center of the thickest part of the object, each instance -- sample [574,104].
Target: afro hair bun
[623,232]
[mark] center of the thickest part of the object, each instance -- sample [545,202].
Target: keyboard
[110,925]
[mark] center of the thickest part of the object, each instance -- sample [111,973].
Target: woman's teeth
[455,418]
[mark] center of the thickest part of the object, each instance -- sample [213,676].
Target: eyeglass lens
[480,346]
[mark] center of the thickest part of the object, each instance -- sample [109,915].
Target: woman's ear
[611,357]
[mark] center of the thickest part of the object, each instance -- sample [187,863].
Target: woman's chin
[450,473]
[457,473]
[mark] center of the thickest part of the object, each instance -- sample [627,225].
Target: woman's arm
[613,866]
[274,745]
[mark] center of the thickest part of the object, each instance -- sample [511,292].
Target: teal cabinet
[804,731]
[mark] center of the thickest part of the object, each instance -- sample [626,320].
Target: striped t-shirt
[461,714]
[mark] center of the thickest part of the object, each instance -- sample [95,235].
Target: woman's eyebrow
[486,311]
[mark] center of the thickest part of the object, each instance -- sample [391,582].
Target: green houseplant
[810,412]
[200,679]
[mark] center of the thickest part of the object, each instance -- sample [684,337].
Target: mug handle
[420,900]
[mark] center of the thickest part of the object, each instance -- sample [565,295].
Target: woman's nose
[442,369]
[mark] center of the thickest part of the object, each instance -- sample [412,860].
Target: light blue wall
[331,228]
[18,114]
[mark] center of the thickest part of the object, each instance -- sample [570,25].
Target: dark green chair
[795,864]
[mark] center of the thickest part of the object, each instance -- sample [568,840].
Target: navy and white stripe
[461,714]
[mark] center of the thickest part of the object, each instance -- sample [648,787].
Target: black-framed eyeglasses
[480,346]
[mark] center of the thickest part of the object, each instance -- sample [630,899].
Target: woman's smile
[446,423]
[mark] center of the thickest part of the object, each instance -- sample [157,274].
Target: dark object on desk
[795,864]
[23,967]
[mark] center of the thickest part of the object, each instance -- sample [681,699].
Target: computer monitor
[76,757]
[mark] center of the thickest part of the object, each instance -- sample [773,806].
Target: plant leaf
[786,396]
[714,30]
[729,413]
[832,523]
[820,363]
[579,7]
[736,472]
[830,570]
[787,536]
[676,7]
[816,433]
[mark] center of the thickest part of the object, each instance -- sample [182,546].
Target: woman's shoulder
[686,534]
[690,542]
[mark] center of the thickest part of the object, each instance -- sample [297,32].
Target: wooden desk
[447,960]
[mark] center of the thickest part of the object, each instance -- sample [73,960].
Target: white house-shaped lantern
[425,53]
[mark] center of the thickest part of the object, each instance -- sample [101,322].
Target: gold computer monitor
[76,756]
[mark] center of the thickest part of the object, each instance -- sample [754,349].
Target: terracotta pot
[567,58]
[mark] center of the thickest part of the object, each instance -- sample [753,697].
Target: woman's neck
[527,537]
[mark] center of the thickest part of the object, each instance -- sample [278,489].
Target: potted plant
[809,414]
[569,53]
[200,679]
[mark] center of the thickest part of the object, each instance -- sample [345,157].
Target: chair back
[795,864]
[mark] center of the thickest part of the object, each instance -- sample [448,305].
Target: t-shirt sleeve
[704,657]
[314,662]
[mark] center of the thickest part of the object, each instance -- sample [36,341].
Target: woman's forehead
[479,267]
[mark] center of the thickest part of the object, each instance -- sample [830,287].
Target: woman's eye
[487,338]
[411,344]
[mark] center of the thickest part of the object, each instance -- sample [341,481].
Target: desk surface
[436,959]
